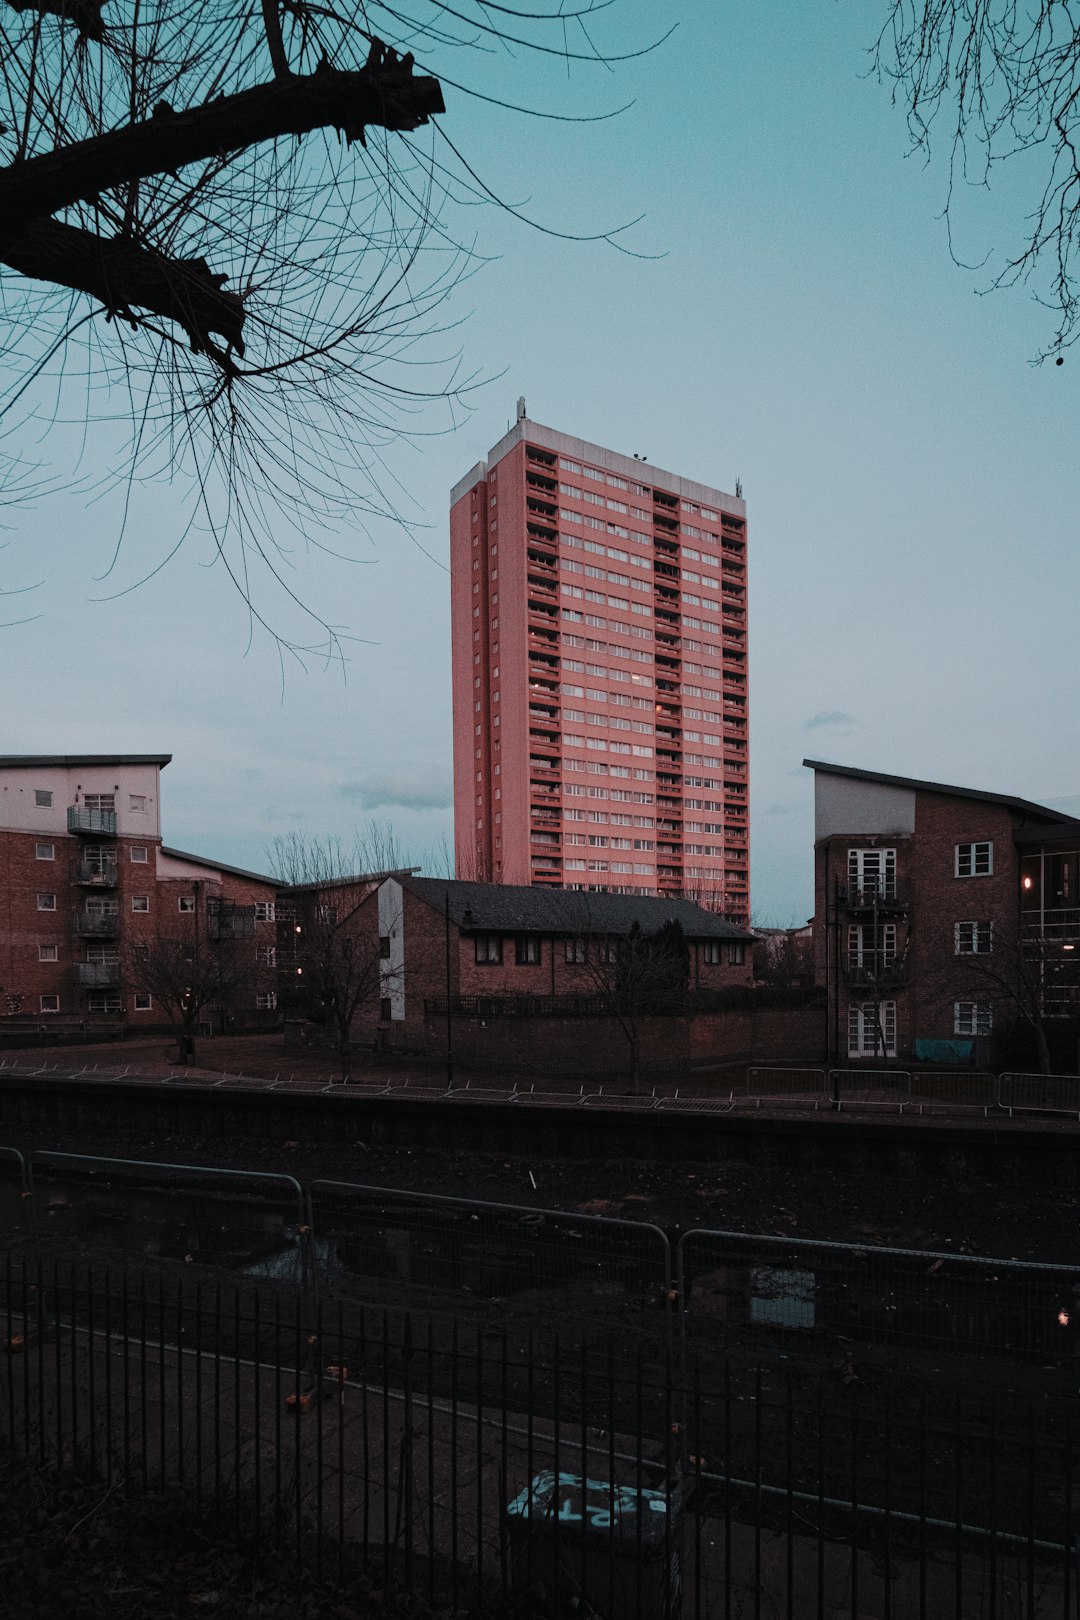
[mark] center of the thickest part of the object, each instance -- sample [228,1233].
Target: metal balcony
[94,874]
[229,920]
[97,975]
[96,925]
[872,897]
[883,973]
[94,823]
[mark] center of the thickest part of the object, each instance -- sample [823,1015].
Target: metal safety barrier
[869,1087]
[762,1083]
[733,1284]
[487,1261]
[1039,1093]
[955,1089]
[243,1222]
[16,1214]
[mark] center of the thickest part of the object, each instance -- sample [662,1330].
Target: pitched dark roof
[1024,806]
[512,908]
[216,866]
[1061,831]
[9,760]
[349,881]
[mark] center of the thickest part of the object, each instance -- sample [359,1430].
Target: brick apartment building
[599,674]
[510,962]
[86,885]
[946,919]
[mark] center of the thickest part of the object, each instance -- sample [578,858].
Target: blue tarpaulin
[952,1052]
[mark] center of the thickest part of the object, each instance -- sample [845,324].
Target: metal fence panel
[1039,1093]
[954,1089]
[734,1284]
[780,1082]
[870,1086]
[16,1216]
[489,1262]
[245,1223]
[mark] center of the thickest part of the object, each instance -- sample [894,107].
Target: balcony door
[872,1030]
[873,871]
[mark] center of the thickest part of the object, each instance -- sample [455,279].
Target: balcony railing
[94,874]
[96,924]
[97,975]
[99,823]
[887,896]
[869,973]
[229,920]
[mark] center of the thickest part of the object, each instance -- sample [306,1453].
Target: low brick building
[544,974]
[946,918]
[88,890]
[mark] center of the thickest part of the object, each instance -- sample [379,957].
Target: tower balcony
[873,897]
[91,823]
[94,874]
[97,975]
[884,972]
[97,924]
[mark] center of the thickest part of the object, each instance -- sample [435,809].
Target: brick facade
[81,888]
[917,922]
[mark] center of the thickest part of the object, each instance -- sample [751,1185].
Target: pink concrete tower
[600,676]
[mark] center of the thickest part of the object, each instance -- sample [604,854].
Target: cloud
[829,718]
[399,789]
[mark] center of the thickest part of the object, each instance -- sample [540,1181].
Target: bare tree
[639,975]
[196,961]
[1028,980]
[1002,82]
[227,234]
[331,943]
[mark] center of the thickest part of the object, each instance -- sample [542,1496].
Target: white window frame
[104,1001]
[864,1040]
[43,798]
[185,903]
[712,953]
[46,902]
[266,1001]
[967,855]
[49,1004]
[264,911]
[140,902]
[973,1018]
[140,854]
[137,804]
[872,869]
[48,953]
[143,1001]
[973,938]
[44,852]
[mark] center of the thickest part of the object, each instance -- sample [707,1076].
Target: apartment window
[46,902]
[139,854]
[49,1004]
[104,1001]
[576,951]
[736,955]
[45,852]
[48,953]
[264,911]
[974,860]
[185,902]
[974,938]
[712,952]
[872,1029]
[140,902]
[266,955]
[873,871]
[43,798]
[526,950]
[267,1001]
[99,801]
[137,803]
[487,948]
[972,1018]
[143,1001]
[384,947]
[608,951]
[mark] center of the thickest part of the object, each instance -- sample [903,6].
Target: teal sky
[912,480]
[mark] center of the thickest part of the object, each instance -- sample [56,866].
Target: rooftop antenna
[521,408]
[738,489]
